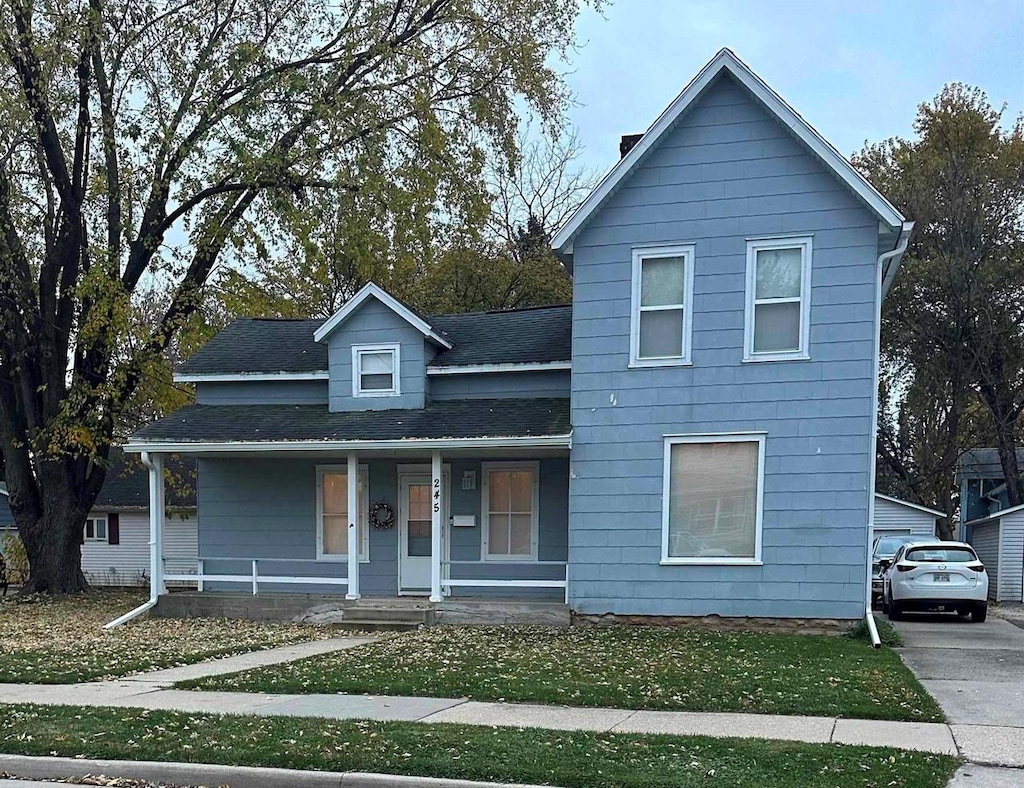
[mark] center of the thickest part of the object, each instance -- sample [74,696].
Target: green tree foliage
[953,325]
[147,147]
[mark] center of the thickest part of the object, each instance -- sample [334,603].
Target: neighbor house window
[375,370]
[509,506]
[713,490]
[778,299]
[662,298]
[332,513]
[96,529]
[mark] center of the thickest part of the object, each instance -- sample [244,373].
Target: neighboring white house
[894,517]
[115,538]
[999,542]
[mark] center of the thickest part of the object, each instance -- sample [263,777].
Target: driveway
[976,673]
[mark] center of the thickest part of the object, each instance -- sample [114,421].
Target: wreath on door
[382,516]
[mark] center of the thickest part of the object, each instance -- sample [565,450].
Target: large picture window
[713,491]
[778,299]
[332,513]
[662,301]
[510,517]
[375,370]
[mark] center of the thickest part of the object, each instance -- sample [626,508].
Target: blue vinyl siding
[285,392]
[728,172]
[553,383]
[266,508]
[374,323]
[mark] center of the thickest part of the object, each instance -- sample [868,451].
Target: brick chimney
[627,143]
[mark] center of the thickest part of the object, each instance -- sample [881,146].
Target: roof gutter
[514,442]
[885,273]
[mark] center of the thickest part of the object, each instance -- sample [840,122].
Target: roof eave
[563,440]
[727,60]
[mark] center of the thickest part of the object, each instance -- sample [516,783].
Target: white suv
[936,576]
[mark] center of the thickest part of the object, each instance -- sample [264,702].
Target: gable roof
[269,349]
[370,290]
[727,61]
[909,505]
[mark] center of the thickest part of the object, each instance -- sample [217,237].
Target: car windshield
[944,555]
[888,545]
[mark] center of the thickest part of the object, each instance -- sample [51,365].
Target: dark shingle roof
[984,463]
[522,336]
[480,418]
[260,345]
[127,482]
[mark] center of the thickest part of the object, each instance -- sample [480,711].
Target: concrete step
[371,625]
[364,613]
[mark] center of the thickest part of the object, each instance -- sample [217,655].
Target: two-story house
[692,436]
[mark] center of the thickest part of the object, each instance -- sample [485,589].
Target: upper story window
[662,300]
[778,299]
[96,529]
[375,370]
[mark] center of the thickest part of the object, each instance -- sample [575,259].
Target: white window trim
[396,388]
[364,521]
[688,253]
[782,242]
[732,437]
[485,469]
[106,529]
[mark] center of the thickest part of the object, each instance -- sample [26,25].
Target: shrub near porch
[682,669]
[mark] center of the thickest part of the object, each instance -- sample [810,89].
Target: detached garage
[894,517]
[999,542]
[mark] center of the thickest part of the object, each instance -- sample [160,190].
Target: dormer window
[375,371]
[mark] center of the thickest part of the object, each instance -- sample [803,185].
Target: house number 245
[437,495]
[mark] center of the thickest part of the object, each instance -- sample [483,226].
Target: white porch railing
[563,582]
[201,576]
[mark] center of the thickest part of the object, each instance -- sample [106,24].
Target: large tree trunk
[50,508]
[1001,406]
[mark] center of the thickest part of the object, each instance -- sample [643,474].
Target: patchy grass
[646,668]
[568,758]
[61,641]
[887,633]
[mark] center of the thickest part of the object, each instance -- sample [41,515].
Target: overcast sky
[855,70]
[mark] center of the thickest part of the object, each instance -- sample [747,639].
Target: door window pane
[498,534]
[662,281]
[661,333]
[777,326]
[335,535]
[713,500]
[778,273]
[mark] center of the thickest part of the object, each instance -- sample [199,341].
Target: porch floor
[366,613]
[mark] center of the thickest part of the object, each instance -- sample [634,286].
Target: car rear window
[888,545]
[948,555]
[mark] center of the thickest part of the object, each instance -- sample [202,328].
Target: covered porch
[431,518]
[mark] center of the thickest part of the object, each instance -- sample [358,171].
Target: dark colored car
[882,552]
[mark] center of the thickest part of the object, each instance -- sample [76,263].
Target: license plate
[941,577]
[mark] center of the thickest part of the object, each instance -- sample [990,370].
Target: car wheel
[895,610]
[979,612]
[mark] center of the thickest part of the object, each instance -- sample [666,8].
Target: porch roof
[477,422]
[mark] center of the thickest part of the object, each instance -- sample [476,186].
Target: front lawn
[61,641]
[566,758]
[648,668]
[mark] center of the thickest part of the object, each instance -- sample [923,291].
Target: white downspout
[155,464]
[880,286]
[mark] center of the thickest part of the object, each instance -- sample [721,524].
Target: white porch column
[436,485]
[352,478]
[156,525]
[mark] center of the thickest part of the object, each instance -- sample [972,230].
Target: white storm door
[414,532]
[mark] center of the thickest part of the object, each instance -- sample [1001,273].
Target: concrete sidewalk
[927,737]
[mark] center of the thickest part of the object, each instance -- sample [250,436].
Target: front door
[414,532]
